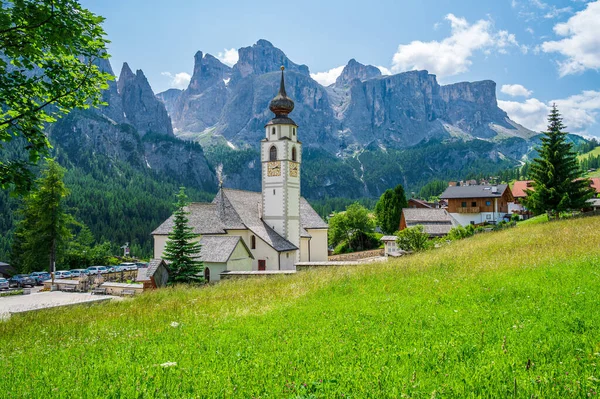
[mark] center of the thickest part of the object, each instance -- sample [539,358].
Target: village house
[6,270]
[478,204]
[435,222]
[259,231]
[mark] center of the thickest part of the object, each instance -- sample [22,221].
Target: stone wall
[357,255]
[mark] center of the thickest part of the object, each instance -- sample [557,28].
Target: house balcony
[468,209]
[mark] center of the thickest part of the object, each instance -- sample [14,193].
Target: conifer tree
[181,250]
[43,233]
[389,209]
[556,187]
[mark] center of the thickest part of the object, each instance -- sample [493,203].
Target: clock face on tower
[274,169]
[293,169]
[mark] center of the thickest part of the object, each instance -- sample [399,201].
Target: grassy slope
[595,152]
[461,321]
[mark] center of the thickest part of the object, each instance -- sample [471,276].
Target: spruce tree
[555,173]
[181,250]
[43,233]
[389,209]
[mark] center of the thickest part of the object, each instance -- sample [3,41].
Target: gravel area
[43,300]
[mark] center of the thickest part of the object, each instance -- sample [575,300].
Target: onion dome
[281,105]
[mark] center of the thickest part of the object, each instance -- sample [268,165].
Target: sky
[538,52]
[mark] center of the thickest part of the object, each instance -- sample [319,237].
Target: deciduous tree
[47,68]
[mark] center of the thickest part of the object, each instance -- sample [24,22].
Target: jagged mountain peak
[125,75]
[262,58]
[356,70]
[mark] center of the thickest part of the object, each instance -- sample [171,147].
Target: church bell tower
[281,157]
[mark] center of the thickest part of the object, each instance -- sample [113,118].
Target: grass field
[595,152]
[507,314]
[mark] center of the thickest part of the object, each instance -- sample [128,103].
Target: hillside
[502,314]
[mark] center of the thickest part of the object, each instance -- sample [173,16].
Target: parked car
[40,277]
[4,284]
[141,265]
[79,272]
[20,281]
[95,270]
[62,274]
[129,266]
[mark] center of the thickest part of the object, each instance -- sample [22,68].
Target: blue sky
[538,52]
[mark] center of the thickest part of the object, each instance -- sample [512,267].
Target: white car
[79,272]
[129,266]
[62,274]
[95,270]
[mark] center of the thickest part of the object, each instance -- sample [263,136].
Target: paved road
[42,300]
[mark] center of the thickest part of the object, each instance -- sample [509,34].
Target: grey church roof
[239,210]
[476,191]
[218,249]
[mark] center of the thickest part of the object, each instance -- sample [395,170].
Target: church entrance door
[262,264]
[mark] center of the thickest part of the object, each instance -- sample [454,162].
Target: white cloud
[228,57]
[453,54]
[579,111]
[581,44]
[180,80]
[515,90]
[384,70]
[328,77]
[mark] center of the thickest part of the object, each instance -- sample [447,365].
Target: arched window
[273,131]
[207,274]
[253,242]
[294,154]
[294,131]
[273,154]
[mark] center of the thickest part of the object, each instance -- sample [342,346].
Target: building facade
[478,204]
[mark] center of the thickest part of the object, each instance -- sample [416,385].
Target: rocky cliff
[356,70]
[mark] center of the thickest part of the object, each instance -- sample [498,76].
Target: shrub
[413,239]
[460,232]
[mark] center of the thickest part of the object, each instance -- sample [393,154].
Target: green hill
[507,314]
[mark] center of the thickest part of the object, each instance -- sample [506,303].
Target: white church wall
[304,242]
[239,260]
[288,260]
[215,270]
[318,245]
[160,242]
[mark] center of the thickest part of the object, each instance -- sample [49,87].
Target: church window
[294,131]
[253,242]
[293,153]
[273,191]
[273,131]
[273,154]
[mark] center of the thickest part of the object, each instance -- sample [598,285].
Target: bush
[460,232]
[413,239]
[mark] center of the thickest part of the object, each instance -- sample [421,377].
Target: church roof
[239,210]
[218,249]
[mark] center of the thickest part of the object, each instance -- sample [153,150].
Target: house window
[462,204]
[474,203]
[253,242]
[488,216]
[472,222]
[273,131]
[287,255]
[294,154]
[488,203]
[273,153]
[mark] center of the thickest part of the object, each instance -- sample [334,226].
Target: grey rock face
[142,109]
[356,70]
[262,58]
[169,98]
[114,109]
[200,105]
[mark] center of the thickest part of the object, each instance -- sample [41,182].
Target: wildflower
[174,324]
[169,364]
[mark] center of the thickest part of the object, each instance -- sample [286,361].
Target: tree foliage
[181,250]
[354,222]
[44,232]
[413,239]
[556,187]
[389,209]
[47,68]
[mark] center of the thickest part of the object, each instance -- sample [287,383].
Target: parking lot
[42,300]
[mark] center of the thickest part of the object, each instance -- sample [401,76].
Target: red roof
[518,189]
[520,186]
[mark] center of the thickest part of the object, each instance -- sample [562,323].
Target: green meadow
[508,314]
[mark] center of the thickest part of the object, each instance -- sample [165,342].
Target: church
[246,231]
